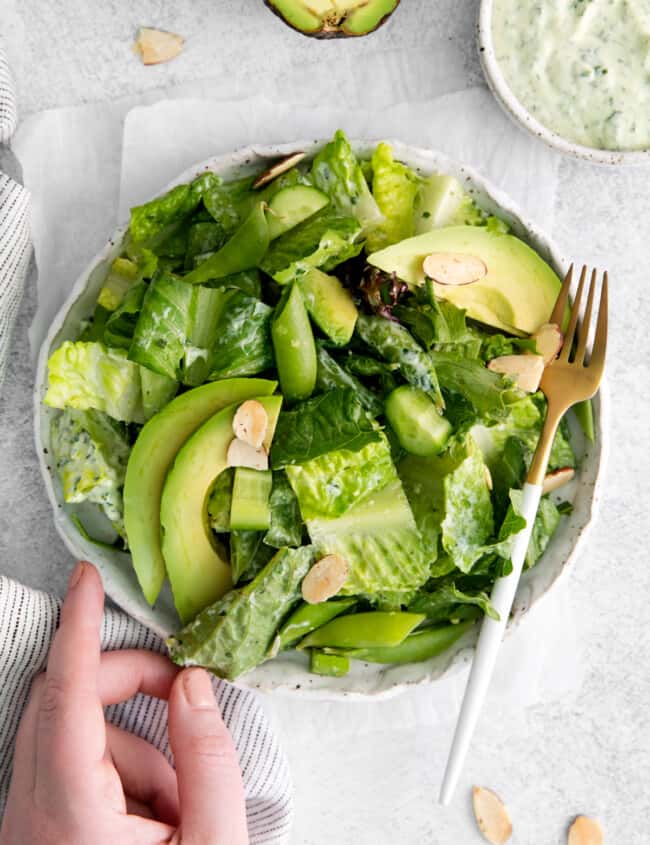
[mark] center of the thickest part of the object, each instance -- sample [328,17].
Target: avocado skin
[323,34]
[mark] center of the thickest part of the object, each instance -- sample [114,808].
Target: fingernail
[198,689]
[76,574]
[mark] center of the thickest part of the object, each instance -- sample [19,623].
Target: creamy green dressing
[581,67]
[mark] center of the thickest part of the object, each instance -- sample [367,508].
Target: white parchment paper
[86,166]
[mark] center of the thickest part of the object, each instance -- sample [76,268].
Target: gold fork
[572,377]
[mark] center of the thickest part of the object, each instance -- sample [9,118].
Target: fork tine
[600,338]
[573,322]
[557,316]
[583,327]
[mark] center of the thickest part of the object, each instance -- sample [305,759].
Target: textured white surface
[588,753]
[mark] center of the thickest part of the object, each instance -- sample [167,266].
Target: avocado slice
[150,459]
[517,294]
[329,304]
[198,572]
[333,18]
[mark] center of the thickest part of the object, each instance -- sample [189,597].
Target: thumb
[210,788]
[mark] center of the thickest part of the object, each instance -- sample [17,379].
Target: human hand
[77,779]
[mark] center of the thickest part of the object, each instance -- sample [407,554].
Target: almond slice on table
[492,817]
[556,479]
[250,423]
[525,370]
[241,454]
[278,169]
[585,831]
[454,268]
[324,579]
[548,339]
[156,46]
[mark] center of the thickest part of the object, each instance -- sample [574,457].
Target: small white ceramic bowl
[518,112]
[289,672]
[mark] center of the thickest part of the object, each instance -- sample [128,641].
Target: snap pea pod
[422,645]
[245,250]
[584,412]
[308,617]
[293,346]
[364,630]
[334,665]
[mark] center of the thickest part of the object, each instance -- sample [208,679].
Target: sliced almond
[556,479]
[548,339]
[488,477]
[525,370]
[156,45]
[585,831]
[324,579]
[278,169]
[491,815]
[241,454]
[454,268]
[251,423]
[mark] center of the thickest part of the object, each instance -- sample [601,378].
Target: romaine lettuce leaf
[150,219]
[331,375]
[120,326]
[437,323]
[233,635]
[157,391]
[332,483]
[90,452]
[203,238]
[88,375]
[324,240]
[249,554]
[335,420]
[220,500]
[160,334]
[123,275]
[443,602]
[546,523]
[422,479]
[495,345]
[286,522]
[395,344]
[468,523]
[394,187]
[363,365]
[337,173]
[242,341]
[469,378]
[379,540]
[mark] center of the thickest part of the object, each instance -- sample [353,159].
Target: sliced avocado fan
[333,18]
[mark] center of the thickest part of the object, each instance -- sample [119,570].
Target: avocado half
[333,18]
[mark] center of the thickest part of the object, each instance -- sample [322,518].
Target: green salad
[308,398]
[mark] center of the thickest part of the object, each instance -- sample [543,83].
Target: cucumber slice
[293,346]
[330,305]
[420,429]
[291,206]
[250,509]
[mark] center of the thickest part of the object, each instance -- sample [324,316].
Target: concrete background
[589,753]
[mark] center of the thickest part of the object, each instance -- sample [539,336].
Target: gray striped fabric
[28,620]
[7,101]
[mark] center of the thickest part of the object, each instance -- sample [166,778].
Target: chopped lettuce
[324,240]
[242,340]
[394,187]
[379,540]
[396,345]
[334,482]
[286,521]
[249,554]
[484,390]
[336,171]
[469,520]
[203,238]
[88,375]
[546,522]
[157,391]
[220,500]
[331,375]
[233,636]
[443,603]
[441,201]
[120,326]
[335,420]
[90,452]
[152,218]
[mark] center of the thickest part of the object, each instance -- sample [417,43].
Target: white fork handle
[487,648]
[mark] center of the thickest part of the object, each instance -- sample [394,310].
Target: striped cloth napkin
[28,618]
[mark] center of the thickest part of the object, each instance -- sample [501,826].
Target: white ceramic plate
[518,112]
[288,672]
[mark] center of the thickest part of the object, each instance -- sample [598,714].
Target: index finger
[71,734]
